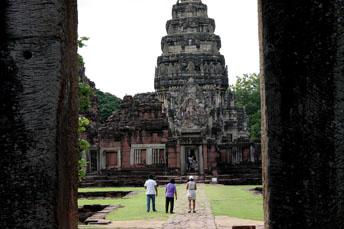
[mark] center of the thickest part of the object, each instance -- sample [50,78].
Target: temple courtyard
[217,206]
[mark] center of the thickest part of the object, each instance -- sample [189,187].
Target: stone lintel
[148,146]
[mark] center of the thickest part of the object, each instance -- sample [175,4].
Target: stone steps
[230,179]
[229,175]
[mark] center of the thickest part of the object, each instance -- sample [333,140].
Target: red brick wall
[212,156]
[172,157]
[109,143]
[125,153]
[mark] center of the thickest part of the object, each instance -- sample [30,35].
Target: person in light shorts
[191,188]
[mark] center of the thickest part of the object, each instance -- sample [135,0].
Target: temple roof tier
[190,25]
[197,59]
[192,39]
[165,84]
[194,9]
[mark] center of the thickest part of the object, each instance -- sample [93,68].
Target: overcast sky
[125,37]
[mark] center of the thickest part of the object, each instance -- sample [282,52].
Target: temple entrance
[191,160]
[93,165]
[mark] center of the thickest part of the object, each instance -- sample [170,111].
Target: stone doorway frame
[102,157]
[288,30]
[199,156]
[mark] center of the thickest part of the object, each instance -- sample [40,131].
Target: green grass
[235,201]
[134,206]
[109,189]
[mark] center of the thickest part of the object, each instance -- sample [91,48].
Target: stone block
[244,227]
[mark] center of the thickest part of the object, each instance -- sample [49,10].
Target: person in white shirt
[151,191]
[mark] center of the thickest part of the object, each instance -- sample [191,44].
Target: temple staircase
[117,178]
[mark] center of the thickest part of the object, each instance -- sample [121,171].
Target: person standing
[191,188]
[189,161]
[194,164]
[151,191]
[171,192]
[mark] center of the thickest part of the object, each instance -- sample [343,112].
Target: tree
[81,44]
[85,94]
[107,103]
[81,41]
[83,146]
[247,95]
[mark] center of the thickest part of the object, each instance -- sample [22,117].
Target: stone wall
[302,47]
[38,134]
[140,121]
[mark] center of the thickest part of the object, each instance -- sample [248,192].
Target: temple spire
[190,49]
[185,1]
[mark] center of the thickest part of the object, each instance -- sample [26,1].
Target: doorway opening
[192,159]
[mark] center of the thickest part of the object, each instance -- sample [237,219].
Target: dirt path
[203,217]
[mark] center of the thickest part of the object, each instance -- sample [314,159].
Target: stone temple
[190,114]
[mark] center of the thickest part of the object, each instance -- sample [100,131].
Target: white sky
[125,37]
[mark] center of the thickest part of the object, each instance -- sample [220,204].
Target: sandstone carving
[191,109]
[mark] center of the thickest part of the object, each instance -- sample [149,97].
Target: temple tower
[192,78]
[191,117]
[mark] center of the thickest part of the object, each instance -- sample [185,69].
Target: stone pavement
[203,217]
[225,222]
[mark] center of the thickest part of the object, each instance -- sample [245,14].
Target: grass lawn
[134,206]
[235,201]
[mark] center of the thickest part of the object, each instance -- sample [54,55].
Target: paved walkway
[203,217]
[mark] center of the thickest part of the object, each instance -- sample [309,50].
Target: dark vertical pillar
[38,115]
[302,51]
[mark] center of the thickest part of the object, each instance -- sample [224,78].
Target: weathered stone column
[149,156]
[38,115]
[182,160]
[119,158]
[201,160]
[302,54]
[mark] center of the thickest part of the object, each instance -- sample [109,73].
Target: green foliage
[81,61]
[235,201]
[83,146]
[81,44]
[82,168]
[81,41]
[85,94]
[107,103]
[247,95]
[83,124]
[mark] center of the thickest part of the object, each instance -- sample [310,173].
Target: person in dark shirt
[171,192]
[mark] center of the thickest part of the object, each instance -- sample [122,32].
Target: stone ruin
[302,56]
[191,112]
